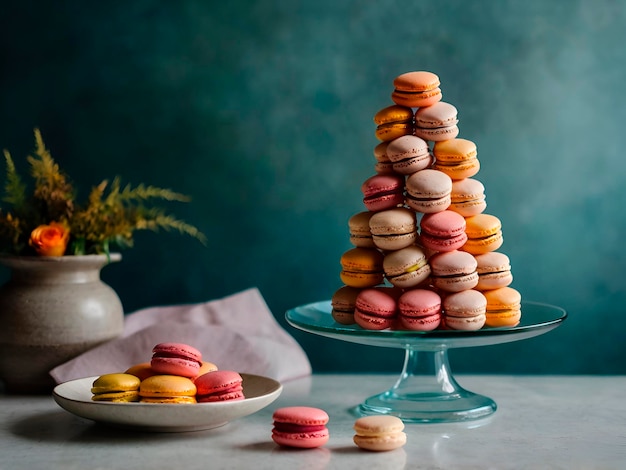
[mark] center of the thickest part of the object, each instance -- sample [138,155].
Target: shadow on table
[60,426]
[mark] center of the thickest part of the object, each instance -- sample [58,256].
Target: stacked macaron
[176,373]
[425,252]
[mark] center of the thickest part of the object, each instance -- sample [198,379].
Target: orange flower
[50,240]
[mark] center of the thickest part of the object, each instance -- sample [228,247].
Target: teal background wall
[262,112]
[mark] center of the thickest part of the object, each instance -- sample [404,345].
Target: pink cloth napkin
[237,332]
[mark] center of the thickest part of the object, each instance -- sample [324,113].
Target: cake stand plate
[426,391]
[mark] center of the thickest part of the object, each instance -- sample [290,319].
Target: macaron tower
[422,238]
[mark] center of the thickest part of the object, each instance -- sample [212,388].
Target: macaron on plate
[75,397]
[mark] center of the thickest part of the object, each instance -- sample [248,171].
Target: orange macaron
[457,158]
[167,389]
[362,267]
[484,234]
[416,89]
[141,371]
[392,122]
[504,308]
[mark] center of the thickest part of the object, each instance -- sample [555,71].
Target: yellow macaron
[116,387]
[504,307]
[167,389]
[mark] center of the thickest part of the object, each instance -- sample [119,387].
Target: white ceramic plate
[75,397]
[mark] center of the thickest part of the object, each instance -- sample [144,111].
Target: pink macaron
[376,308]
[383,191]
[219,385]
[453,271]
[443,231]
[300,426]
[420,310]
[176,359]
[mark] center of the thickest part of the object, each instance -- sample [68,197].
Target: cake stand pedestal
[426,391]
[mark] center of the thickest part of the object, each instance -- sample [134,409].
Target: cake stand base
[426,392]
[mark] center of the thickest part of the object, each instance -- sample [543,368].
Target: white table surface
[551,422]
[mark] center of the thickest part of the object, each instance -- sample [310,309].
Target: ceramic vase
[52,309]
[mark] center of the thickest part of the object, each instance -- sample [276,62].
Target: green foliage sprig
[107,220]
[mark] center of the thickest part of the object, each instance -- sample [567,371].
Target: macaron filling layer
[296,428]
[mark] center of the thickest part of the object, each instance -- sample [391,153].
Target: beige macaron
[494,271]
[453,271]
[409,154]
[393,229]
[428,191]
[379,433]
[359,226]
[465,310]
[468,197]
[407,267]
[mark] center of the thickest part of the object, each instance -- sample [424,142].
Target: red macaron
[176,359]
[300,426]
[219,385]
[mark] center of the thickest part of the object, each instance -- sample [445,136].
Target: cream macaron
[393,229]
[407,267]
[379,433]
